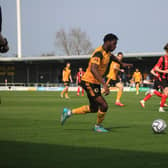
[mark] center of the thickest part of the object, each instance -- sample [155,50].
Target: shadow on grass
[28,155]
[111,129]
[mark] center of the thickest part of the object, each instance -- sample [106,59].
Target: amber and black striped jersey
[66,74]
[113,72]
[137,76]
[102,58]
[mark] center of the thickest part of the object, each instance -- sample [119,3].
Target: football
[159,126]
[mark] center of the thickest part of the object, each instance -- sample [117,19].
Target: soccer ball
[158,126]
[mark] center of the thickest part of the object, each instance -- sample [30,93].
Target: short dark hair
[166,47]
[110,37]
[119,53]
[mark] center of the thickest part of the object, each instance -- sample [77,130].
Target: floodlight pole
[19,40]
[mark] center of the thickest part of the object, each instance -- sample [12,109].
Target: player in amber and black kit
[91,81]
[137,78]
[66,79]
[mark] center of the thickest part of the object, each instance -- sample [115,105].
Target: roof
[73,57]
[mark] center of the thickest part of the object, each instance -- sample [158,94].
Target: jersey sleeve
[159,63]
[96,58]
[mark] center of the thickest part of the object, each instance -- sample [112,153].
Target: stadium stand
[47,70]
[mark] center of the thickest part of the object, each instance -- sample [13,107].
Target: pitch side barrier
[55,89]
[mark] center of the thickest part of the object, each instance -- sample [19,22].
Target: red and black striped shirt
[79,75]
[163,65]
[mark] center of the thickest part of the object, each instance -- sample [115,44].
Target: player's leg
[93,104]
[156,88]
[91,108]
[83,92]
[161,91]
[137,88]
[83,109]
[103,107]
[163,99]
[97,104]
[151,92]
[78,90]
[146,98]
[64,90]
[119,85]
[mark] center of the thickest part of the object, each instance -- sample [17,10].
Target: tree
[48,54]
[75,42]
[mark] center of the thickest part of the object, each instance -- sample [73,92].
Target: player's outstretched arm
[153,73]
[157,69]
[118,69]
[71,78]
[115,59]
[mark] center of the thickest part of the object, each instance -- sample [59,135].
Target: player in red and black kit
[156,87]
[157,81]
[160,71]
[78,80]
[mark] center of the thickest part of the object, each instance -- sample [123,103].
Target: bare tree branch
[75,42]
[62,41]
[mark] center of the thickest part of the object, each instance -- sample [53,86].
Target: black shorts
[137,83]
[157,85]
[113,82]
[164,83]
[79,83]
[92,90]
[66,83]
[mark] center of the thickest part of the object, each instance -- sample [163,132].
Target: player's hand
[106,89]
[122,70]
[4,47]
[166,71]
[157,75]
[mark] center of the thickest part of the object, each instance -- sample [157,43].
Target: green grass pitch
[31,135]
